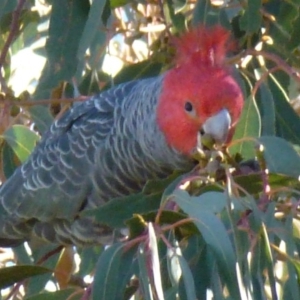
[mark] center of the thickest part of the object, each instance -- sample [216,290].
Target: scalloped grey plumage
[106,147]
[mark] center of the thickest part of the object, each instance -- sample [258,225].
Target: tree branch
[27,103]
[281,64]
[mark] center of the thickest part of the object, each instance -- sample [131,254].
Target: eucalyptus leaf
[124,208]
[14,274]
[57,295]
[280,156]
[215,235]
[249,126]
[287,121]
[144,273]
[188,279]
[91,27]
[266,105]
[107,282]
[251,19]
[7,6]
[22,140]
[67,23]
[9,160]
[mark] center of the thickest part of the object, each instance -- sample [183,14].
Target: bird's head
[199,95]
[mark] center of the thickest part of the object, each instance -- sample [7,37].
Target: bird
[110,145]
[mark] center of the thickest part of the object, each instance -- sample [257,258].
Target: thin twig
[25,103]
[267,15]
[263,77]
[278,61]
[162,14]
[11,36]
[76,293]
[49,254]
[14,290]
[130,244]
[177,224]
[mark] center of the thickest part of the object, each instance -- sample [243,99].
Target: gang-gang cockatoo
[113,143]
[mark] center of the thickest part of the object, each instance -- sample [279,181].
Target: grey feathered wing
[47,192]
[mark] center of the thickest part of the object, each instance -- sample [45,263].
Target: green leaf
[296,229]
[22,255]
[171,293]
[106,12]
[295,38]
[136,225]
[280,156]
[37,284]
[291,288]
[67,22]
[140,70]
[155,262]
[71,293]
[252,183]
[216,286]
[143,273]
[200,12]
[215,235]
[106,281]
[249,126]
[196,254]
[116,264]
[22,140]
[160,185]
[31,22]
[287,15]
[187,278]
[123,209]
[251,19]
[41,117]
[11,275]
[88,258]
[284,28]
[266,105]
[127,270]
[118,3]
[8,159]
[91,27]
[177,19]
[287,121]
[213,202]
[268,258]
[171,187]
[257,266]
[205,13]
[7,6]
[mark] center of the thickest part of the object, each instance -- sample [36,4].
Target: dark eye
[188,106]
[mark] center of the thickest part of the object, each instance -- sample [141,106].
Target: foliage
[231,230]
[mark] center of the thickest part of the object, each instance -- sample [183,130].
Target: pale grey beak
[218,126]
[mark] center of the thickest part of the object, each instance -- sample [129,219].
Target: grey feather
[103,148]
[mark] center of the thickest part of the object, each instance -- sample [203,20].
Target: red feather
[201,78]
[204,46]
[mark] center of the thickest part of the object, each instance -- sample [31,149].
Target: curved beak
[218,127]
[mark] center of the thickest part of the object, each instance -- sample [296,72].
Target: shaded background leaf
[22,140]
[10,275]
